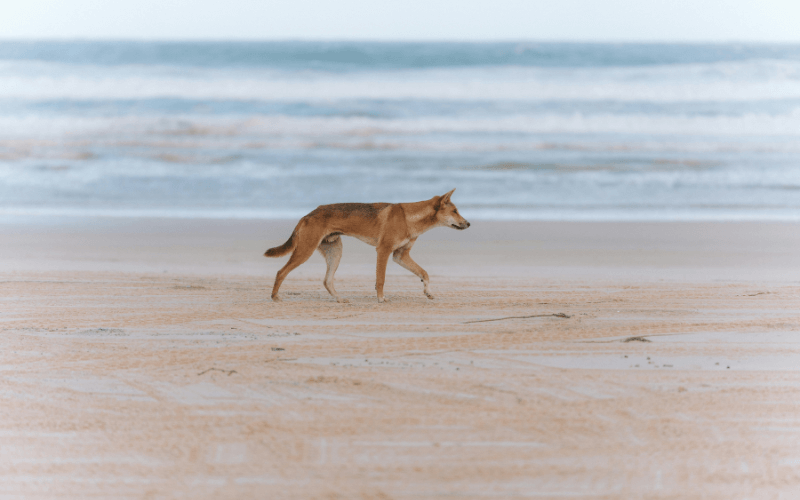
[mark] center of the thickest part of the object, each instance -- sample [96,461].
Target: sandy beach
[143,358]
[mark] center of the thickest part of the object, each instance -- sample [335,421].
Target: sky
[478,20]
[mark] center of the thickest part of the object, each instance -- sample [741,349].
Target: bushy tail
[283,249]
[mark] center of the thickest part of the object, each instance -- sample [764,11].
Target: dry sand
[144,359]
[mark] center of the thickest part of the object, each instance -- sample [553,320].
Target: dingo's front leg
[402,256]
[380,272]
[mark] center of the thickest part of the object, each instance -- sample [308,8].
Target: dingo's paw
[275,298]
[342,301]
[429,295]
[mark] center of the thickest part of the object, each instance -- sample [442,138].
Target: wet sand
[144,359]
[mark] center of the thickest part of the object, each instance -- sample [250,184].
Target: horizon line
[402,41]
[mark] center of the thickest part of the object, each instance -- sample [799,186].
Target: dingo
[390,227]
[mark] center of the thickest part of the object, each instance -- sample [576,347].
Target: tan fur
[391,228]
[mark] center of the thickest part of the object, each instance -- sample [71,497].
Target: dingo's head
[447,213]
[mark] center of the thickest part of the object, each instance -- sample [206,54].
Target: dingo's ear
[446,197]
[441,200]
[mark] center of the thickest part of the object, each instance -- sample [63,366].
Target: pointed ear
[446,197]
[441,200]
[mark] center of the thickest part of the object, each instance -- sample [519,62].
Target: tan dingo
[390,227]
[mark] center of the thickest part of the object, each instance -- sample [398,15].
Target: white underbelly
[366,239]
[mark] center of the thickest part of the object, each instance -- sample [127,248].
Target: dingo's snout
[461,225]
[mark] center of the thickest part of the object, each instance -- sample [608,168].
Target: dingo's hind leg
[304,250]
[331,249]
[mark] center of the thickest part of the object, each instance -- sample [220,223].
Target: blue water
[552,131]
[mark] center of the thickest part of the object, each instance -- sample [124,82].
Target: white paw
[343,301]
[429,295]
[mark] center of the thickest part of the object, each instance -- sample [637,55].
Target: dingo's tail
[283,249]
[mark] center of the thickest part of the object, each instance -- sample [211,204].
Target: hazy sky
[601,20]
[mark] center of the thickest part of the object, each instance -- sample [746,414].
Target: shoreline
[8,216]
[753,251]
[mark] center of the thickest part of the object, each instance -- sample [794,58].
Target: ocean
[524,131]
